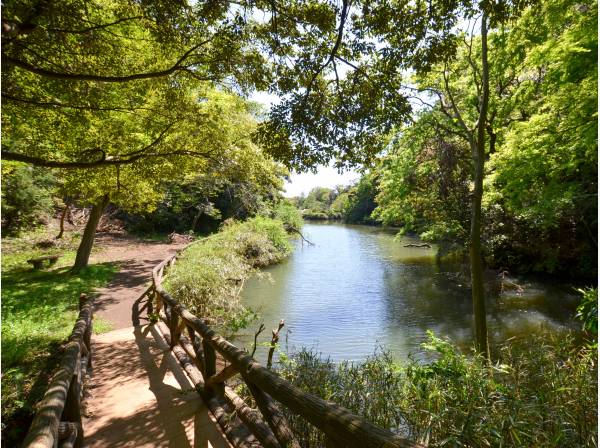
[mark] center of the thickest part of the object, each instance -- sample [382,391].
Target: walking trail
[138,395]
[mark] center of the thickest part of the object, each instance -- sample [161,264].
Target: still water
[358,288]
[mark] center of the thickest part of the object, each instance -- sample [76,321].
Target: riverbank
[540,391]
[210,274]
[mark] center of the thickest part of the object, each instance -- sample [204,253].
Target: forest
[473,126]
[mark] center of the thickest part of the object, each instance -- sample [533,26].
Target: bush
[26,196]
[289,215]
[587,311]
[540,393]
[210,274]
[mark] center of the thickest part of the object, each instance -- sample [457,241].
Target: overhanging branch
[102,162]
[178,66]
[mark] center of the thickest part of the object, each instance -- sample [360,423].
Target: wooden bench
[38,263]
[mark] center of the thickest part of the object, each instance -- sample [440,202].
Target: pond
[359,288]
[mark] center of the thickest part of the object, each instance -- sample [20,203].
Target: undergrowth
[39,308]
[210,274]
[541,392]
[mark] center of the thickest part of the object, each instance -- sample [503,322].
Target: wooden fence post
[210,365]
[72,410]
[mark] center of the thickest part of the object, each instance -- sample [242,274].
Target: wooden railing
[57,422]
[196,346]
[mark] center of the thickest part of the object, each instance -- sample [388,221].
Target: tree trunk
[87,240]
[62,221]
[478,148]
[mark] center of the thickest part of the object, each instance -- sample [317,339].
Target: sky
[326,176]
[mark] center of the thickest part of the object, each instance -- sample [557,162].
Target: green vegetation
[353,204]
[539,196]
[38,312]
[587,311]
[26,197]
[475,121]
[540,392]
[210,274]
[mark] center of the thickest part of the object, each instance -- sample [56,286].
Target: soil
[136,258]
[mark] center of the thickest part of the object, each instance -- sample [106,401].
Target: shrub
[289,215]
[541,392]
[210,274]
[26,196]
[587,311]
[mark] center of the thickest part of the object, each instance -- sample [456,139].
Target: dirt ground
[136,258]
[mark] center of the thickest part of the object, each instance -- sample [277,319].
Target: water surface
[359,288]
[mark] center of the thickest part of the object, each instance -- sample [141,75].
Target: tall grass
[210,274]
[541,392]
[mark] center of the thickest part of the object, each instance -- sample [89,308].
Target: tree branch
[178,66]
[104,161]
[95,27]
[336,46]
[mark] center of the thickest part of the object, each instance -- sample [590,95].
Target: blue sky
[326,176]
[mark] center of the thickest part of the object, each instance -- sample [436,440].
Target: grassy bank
[38,312]
[210,274]
[541,392]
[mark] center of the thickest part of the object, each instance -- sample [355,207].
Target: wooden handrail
[58,418]
[341,427]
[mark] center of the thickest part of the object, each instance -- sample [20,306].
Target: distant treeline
[352,204]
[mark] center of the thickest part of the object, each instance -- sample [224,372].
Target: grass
[210,274]
[542,391]
[39,309]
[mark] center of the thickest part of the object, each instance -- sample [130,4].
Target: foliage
[424,184]
[542,132]
[287,213]
[26,196]
[361,201]
[353,204]
[538,393]
[38,312]
[317,205]
[240,186]
[587,311]
[210,274]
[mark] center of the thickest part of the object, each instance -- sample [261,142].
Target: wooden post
[72,410]
[274,417]
[210,366]
[174,328]
[197,346]
[82,300]
[150,296]
[274,341]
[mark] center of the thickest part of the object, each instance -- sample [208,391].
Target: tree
[219,131]
[118,89]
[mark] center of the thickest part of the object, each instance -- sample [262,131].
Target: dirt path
[136,259]
[139,396]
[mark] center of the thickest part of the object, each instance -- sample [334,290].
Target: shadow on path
[141,396]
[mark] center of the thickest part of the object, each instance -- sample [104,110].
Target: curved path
[136,258]
[138,395]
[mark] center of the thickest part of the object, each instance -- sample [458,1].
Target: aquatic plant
[540,392]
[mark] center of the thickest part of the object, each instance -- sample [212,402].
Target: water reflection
[359,287]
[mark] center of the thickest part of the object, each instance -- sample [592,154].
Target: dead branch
[295,230]
[274,341]
[260,330]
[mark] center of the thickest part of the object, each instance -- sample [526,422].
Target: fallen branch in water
[505,282]
[418,245]
[295,230]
